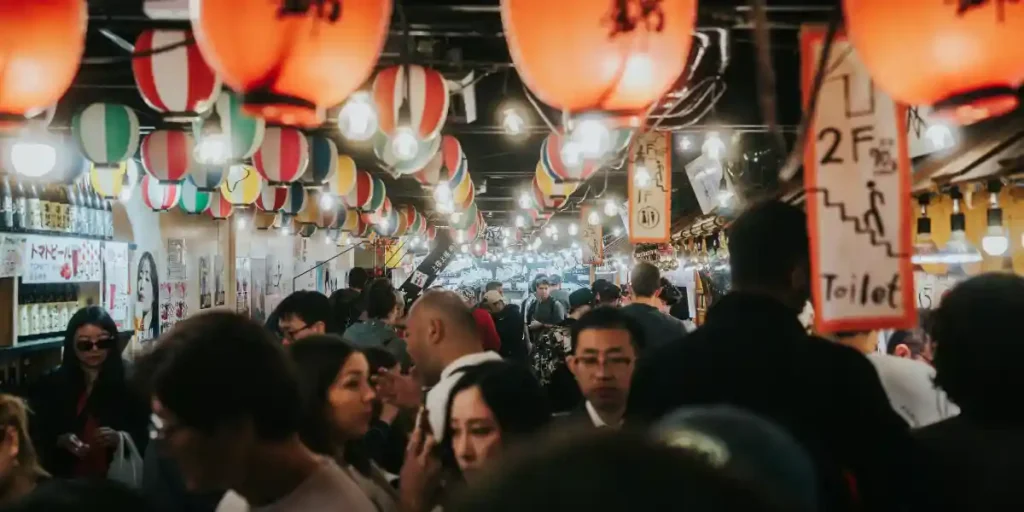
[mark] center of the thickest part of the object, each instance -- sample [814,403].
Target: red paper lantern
[965,58]
[292,60]
[612,55]
[220,208]
[283,155]
[427,101]
[41,45]
[272,199]
[177,83]
[167,155]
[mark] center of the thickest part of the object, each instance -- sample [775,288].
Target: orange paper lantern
[291,60]
[41,45]
[965,58]
[611,55]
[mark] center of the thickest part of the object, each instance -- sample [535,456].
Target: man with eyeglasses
[302,314]
[604,351]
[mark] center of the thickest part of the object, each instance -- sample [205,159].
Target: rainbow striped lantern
[208,178]
[427,100]
[167,155]
[360,195]
[177,83]
[108,181]
[465,219]
[328,217]
[107,133]
[159,197]
[220,208]
[551,187]
[382,147]
[272,199]
[295,200]
[310,210]
[387,224]
[343,181]
[242,186]
[379,197]
[444,165]
[560,171]
[545,202]
[323,162]
[194,201]
[283,155]
[244,132]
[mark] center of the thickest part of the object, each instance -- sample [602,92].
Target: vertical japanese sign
[115,290]
[650,198]
[592,238]
[857,177]
[431,266]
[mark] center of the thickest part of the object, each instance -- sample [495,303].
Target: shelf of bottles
[54,209]
[44,310]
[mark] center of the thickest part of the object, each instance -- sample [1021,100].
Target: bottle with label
[33,209]
[25,302]
[72,218]
[66,306]
[6,206]
[56,305]
[108,219]
[46,201]
[20,207]
[62,215]
[96,202]
[88,229]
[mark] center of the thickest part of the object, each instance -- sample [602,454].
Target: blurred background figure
[303,313]
[509,324]
[348,304]
[20,470]
[383,312]
[81,496]
[647,308]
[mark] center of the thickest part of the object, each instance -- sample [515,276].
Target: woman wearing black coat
[82,406]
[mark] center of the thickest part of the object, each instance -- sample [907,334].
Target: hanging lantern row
[177,83]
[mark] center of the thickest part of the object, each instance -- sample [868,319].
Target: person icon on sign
[873,217]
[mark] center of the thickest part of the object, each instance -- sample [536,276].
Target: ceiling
[459,36]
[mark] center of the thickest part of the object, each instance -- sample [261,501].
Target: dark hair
[609,294]
[555,280]
[110,383]
[542,282]
[379,357]
[79,495]
[978,354]
[766,243]
[380,298]
[154,308]
[669,293]
[645,279]
[318,360]
[598,285]
[357,277]
[493,285]
[608,318]
[218,367]
[603,470]
[310,306]
[513,395]
[913,339]
[536,280]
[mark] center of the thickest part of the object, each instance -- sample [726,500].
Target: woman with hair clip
[337,402]
[19,468]
[85,406]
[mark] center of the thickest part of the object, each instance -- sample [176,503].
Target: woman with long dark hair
[84,406]
[337,401]
[147,299]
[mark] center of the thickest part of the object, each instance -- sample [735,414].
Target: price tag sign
[650,194]
[857,179]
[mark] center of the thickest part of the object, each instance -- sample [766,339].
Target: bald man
[442,340]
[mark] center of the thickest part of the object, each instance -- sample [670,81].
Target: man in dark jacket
[645,309]
[753,353]
[508,320]
[348,304]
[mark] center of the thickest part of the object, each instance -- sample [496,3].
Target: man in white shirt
[226,408]
[604,351]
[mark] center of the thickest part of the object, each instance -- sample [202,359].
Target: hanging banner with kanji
[650,194]
[857,179]
[592,238]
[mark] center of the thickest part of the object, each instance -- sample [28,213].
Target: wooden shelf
[33,346]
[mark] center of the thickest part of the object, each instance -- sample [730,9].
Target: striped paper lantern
[107,133]
[551,159]
[360,194]
[544,201]
[463,220]
[159,197]
[454,165]
[194,201]
[383,148]
[323,162]
[167,155]
[382,212]
[177,83]
[108,181]
[305,230]
[430,232]
[266,220]
[379,196]
[427,101]
[552,188]
[242,185]
[387,224]
[244,132]
[344,180]
[208,178]
[220,208]
[348,220]
[430,174]
[479,248]
[295,199]
[328,217]
[283,155]
[271,198]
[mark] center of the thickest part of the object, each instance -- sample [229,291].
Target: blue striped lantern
[295,200]
[208,178]
[323,162]
[193,201]
[380,193]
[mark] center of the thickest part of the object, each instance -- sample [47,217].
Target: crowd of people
[599,399]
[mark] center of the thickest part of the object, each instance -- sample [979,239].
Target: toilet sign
[857,179]
[650,193]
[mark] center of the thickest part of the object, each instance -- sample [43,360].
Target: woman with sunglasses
[84,406]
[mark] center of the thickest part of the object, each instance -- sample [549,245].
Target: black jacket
[509,323]
[659,329]
[753,353]
[164,487]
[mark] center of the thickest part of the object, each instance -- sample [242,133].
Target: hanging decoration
[176,82]
[387,225]
[193,201]
[107,133]
[361,194]
[220,208]
[242,185]
[974,52]
[292,60]
[343,181]
[463,220]
[305,230]
[383,148]
[560,171]
[208,178]
[167,155]
[271,198]
[159,197]
[479,248]
[426,102]
[630,51]
[308,207]
[244,132]
[551,187]
[42,45]
[266,220]
[295,199]
[544,201]
[108,181]
[283,155]
[323,162]
[378,198]
[348,220]
[431,232]
[327,217]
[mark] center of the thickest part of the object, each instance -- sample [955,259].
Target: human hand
[388,412]
[73,444]
[108,437]
[420,475]
[402,391]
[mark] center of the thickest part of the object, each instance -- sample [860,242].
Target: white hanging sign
[705,175]
[857,178]
[650,197]
[592,238]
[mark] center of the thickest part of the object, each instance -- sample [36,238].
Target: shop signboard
[61,260]
[431,266]
[650,196]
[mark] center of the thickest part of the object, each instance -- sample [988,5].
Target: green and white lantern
[194,201]
[243,132]
[107,133]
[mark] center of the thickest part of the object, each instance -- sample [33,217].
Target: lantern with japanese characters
[283,155]
[175,80]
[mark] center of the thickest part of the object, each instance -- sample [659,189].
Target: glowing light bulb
[357,120]
[641,176]
[593,218]
[385,224]
[616,231]
[512,122]
[456,217]
[685,143]
[326,201]
[610,208]
[554,236]
[477,247]
[571,154]
[713,146]
[725,197]
[575,245]
[464,248]
[240,222]
[940,136]
[593,137]
[33,159]
[460,236]
[573,229]
[404,144]
[520,221]
[995,242]
[212,149]
[525,201]
[442,192]
[125,195]
[286,230]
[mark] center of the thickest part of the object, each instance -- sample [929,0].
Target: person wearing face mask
[337,400]
[84,407]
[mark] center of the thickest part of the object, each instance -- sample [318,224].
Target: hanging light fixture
[593,137]
[573,229]
[610,208]
[357,120]
[616,231]
[685,143]
[512,122]
[525,201]
[520,221]
[940,136]
[713,146]
[995,242]
[593,218]
[958,250]
[925,249]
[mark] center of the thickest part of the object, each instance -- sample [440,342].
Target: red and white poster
[61,260]
[857,179]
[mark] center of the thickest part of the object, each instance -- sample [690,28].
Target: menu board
[61,260]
